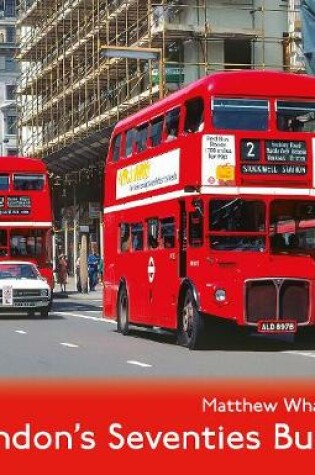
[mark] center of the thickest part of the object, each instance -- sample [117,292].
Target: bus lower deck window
[153,233]
[168,232]
[137,236]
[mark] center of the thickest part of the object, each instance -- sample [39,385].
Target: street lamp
[136,53]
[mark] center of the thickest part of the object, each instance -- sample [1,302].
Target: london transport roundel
[151,269]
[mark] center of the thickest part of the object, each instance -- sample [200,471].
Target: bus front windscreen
[237,225]
[292,226]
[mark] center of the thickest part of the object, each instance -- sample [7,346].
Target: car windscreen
[18,271]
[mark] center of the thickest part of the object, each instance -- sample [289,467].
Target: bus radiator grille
[277,299]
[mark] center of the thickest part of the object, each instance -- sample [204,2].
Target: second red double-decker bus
[26,213]
[209,208]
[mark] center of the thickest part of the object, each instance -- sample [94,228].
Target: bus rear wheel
[123,312]
[191,323]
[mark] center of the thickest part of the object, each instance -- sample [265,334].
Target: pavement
[71,291]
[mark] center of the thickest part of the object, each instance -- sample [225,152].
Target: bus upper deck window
[116,147]
[194,119]
[293,116]
[172,124]
[130,135]
[141,137]
[4,182]
[156,131]
[240,114]
[28,182]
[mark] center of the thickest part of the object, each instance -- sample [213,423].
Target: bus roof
[234,83]
[22,164]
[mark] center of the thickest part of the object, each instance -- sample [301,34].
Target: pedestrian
[92,270]
[77,270]
[62,272]
[100,270]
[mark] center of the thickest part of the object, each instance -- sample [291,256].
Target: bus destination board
[285,151]
[19,202]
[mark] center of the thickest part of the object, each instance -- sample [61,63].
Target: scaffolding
[69,89]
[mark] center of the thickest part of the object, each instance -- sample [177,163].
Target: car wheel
[191,325]
[123,311]
[50,303]
[44,313]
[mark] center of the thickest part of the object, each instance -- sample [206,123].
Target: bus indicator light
[151,270]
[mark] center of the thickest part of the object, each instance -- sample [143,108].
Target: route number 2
[250,149]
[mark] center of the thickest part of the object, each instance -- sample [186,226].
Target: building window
[12,152]
[11,36]
[10,64]
[237,53]
[10,8]
[11,125]
[10,90]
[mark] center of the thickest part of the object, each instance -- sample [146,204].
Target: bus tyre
[123,312]
[191,323]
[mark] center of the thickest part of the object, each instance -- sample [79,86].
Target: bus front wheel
[191,323]
[123,312]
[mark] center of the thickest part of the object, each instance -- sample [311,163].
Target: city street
[77,342]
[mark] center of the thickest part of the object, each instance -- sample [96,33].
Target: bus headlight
[44,293]
[220,295]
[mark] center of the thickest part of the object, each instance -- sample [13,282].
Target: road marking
[300,353]
[69,345]
[21,332]
[138,363]
[87,317]
[94,311]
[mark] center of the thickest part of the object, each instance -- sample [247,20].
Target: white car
[23,289]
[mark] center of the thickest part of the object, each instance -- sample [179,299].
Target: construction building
[9,72]
[87,63]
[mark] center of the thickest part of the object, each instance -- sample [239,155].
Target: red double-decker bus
[209,210]
[26,213]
